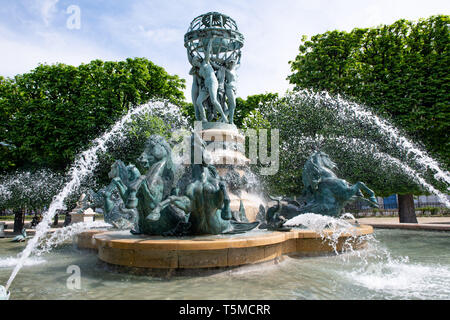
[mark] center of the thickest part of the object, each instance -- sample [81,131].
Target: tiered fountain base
[227,147]
[154,252]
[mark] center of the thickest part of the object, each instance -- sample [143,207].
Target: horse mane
[314,170]
[157,139]
[311,175]
[122,169]
[167,171]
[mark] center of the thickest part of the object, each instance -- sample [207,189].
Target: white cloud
[47,9]
[161,35]
[155,29]
[20,53]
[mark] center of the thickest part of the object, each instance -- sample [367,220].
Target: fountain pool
[395,265]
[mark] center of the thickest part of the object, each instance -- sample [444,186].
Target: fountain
[205,219]
[195,211]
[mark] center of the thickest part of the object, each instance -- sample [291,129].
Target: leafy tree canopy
[52,112]
[350,134]
[245,107]
[400,70]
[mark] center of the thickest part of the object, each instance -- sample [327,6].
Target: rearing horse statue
[126,180]
[205,200]
[324,193]
[154,204]
[328,194]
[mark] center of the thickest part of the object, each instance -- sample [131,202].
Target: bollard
[2,229]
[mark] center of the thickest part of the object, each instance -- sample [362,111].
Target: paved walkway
[424,223]
[9,227]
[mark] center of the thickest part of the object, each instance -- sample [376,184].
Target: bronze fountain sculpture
[324,193]
[154,203]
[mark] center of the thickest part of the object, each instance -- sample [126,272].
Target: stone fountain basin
[155,252]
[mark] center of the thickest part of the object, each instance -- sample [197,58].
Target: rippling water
[396,265]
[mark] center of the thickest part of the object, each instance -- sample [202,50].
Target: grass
[11,218]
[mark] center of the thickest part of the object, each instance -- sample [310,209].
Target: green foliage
[401,71]
[52,112]
[432,210]
[309,121]
[29,189]
[246,107]
[159,118]
[187,110]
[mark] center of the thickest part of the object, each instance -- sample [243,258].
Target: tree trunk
[67,219]
[406,211]
[19,220]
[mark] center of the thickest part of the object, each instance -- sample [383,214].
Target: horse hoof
[153,216]
[374,201]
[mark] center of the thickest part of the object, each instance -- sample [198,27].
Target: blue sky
[35,31]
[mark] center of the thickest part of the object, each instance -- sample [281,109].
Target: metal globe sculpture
[228,40]
[213,44]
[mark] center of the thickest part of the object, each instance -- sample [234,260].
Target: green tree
[24,191]
[400,71]
[132,143]
[52,112]
[309,121]
[245,107]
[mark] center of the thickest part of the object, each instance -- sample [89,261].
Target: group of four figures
[214,80]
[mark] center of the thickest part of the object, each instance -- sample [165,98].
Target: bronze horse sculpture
[205,200]
[153,204]
[120,212]
[324,193]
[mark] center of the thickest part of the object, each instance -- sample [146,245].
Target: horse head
[323,160]
[157,159]
[156,149]
[133,172]
[317,167]
[118,169]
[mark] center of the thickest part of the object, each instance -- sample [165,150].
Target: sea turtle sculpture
[21,237]
[210,203]
[324,193]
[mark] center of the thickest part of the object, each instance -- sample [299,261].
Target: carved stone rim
[199,252]
[113,240]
